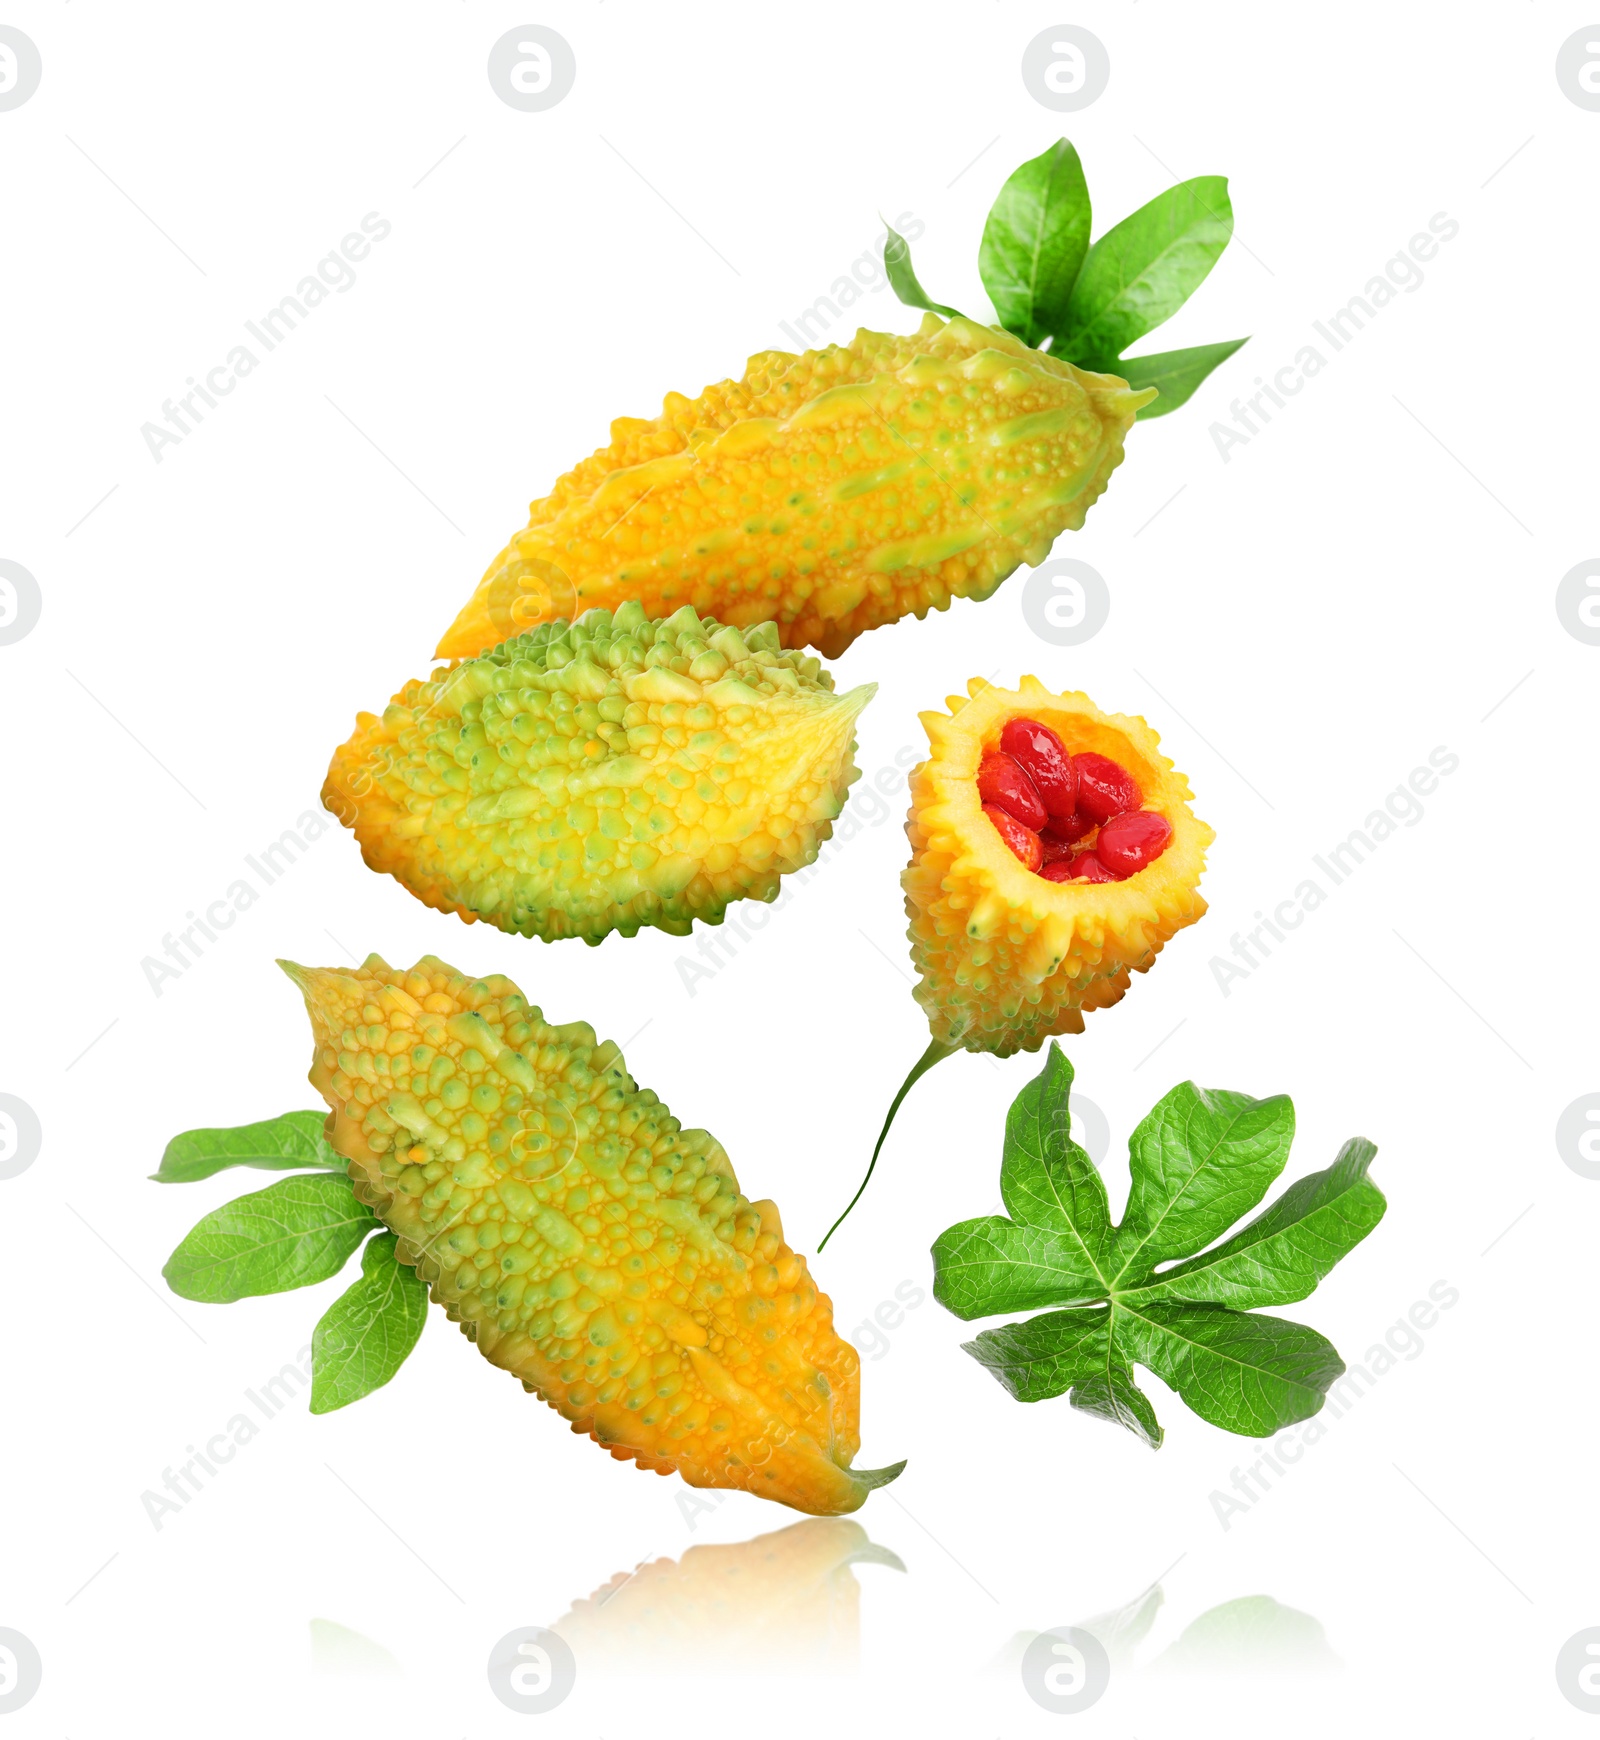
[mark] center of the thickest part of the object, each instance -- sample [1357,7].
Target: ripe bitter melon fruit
[603,774]
[829,492]
[844,488]
[1006,957]
[585,1241]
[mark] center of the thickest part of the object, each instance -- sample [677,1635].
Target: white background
[1370,577]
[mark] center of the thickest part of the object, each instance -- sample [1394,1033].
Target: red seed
[1130,841]
[1002,782]
[1104,788]
[1069,828]
[1043,757]
[1023,841]
[1086,867]
[1055,851]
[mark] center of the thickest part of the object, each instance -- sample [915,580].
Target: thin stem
[934,1054]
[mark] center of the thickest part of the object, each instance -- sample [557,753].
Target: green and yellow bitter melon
[603,774]
[587,1242]
[844,488]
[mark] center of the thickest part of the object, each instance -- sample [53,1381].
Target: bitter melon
[828,492]
[1006,954]
[847,487]
[602,775]
[585,1241]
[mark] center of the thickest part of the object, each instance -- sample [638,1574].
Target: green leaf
[1173,373]
[1111,1394]
[1053,1250]
[1046,1355]
[1034,242]
[275,1145]
[365,1335]
[1141,272]
[293,1233]
[1239,1370]
[1199,1160]
[1286,1250]
[1046,1179]
[903,280]
[986,1267]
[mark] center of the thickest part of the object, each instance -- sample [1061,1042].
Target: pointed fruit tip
[870,1479]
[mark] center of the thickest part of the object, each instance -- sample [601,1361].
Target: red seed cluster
[1044,802]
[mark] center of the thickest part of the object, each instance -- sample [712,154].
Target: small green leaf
[1046,1355]
[1173,373]
[1141,272]
[367,1332]
[292,1234]
[1286,1250]
[1238,1369]
[1034,242]
[903,280]
[1199,1160]
[276,1145]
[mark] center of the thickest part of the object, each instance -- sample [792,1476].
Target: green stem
[934,1054]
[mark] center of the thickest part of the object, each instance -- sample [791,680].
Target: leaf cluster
[1088,302]
[299,1231]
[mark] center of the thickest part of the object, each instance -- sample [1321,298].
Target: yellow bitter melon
[829,492]
[602,775]
[585,1241]
[1005,959]
[847,487]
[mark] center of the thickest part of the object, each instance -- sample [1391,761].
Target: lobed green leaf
[1198,1161]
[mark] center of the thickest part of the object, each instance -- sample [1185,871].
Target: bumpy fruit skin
[602,775]
[829,492]
[586,1242]
[1005,958]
